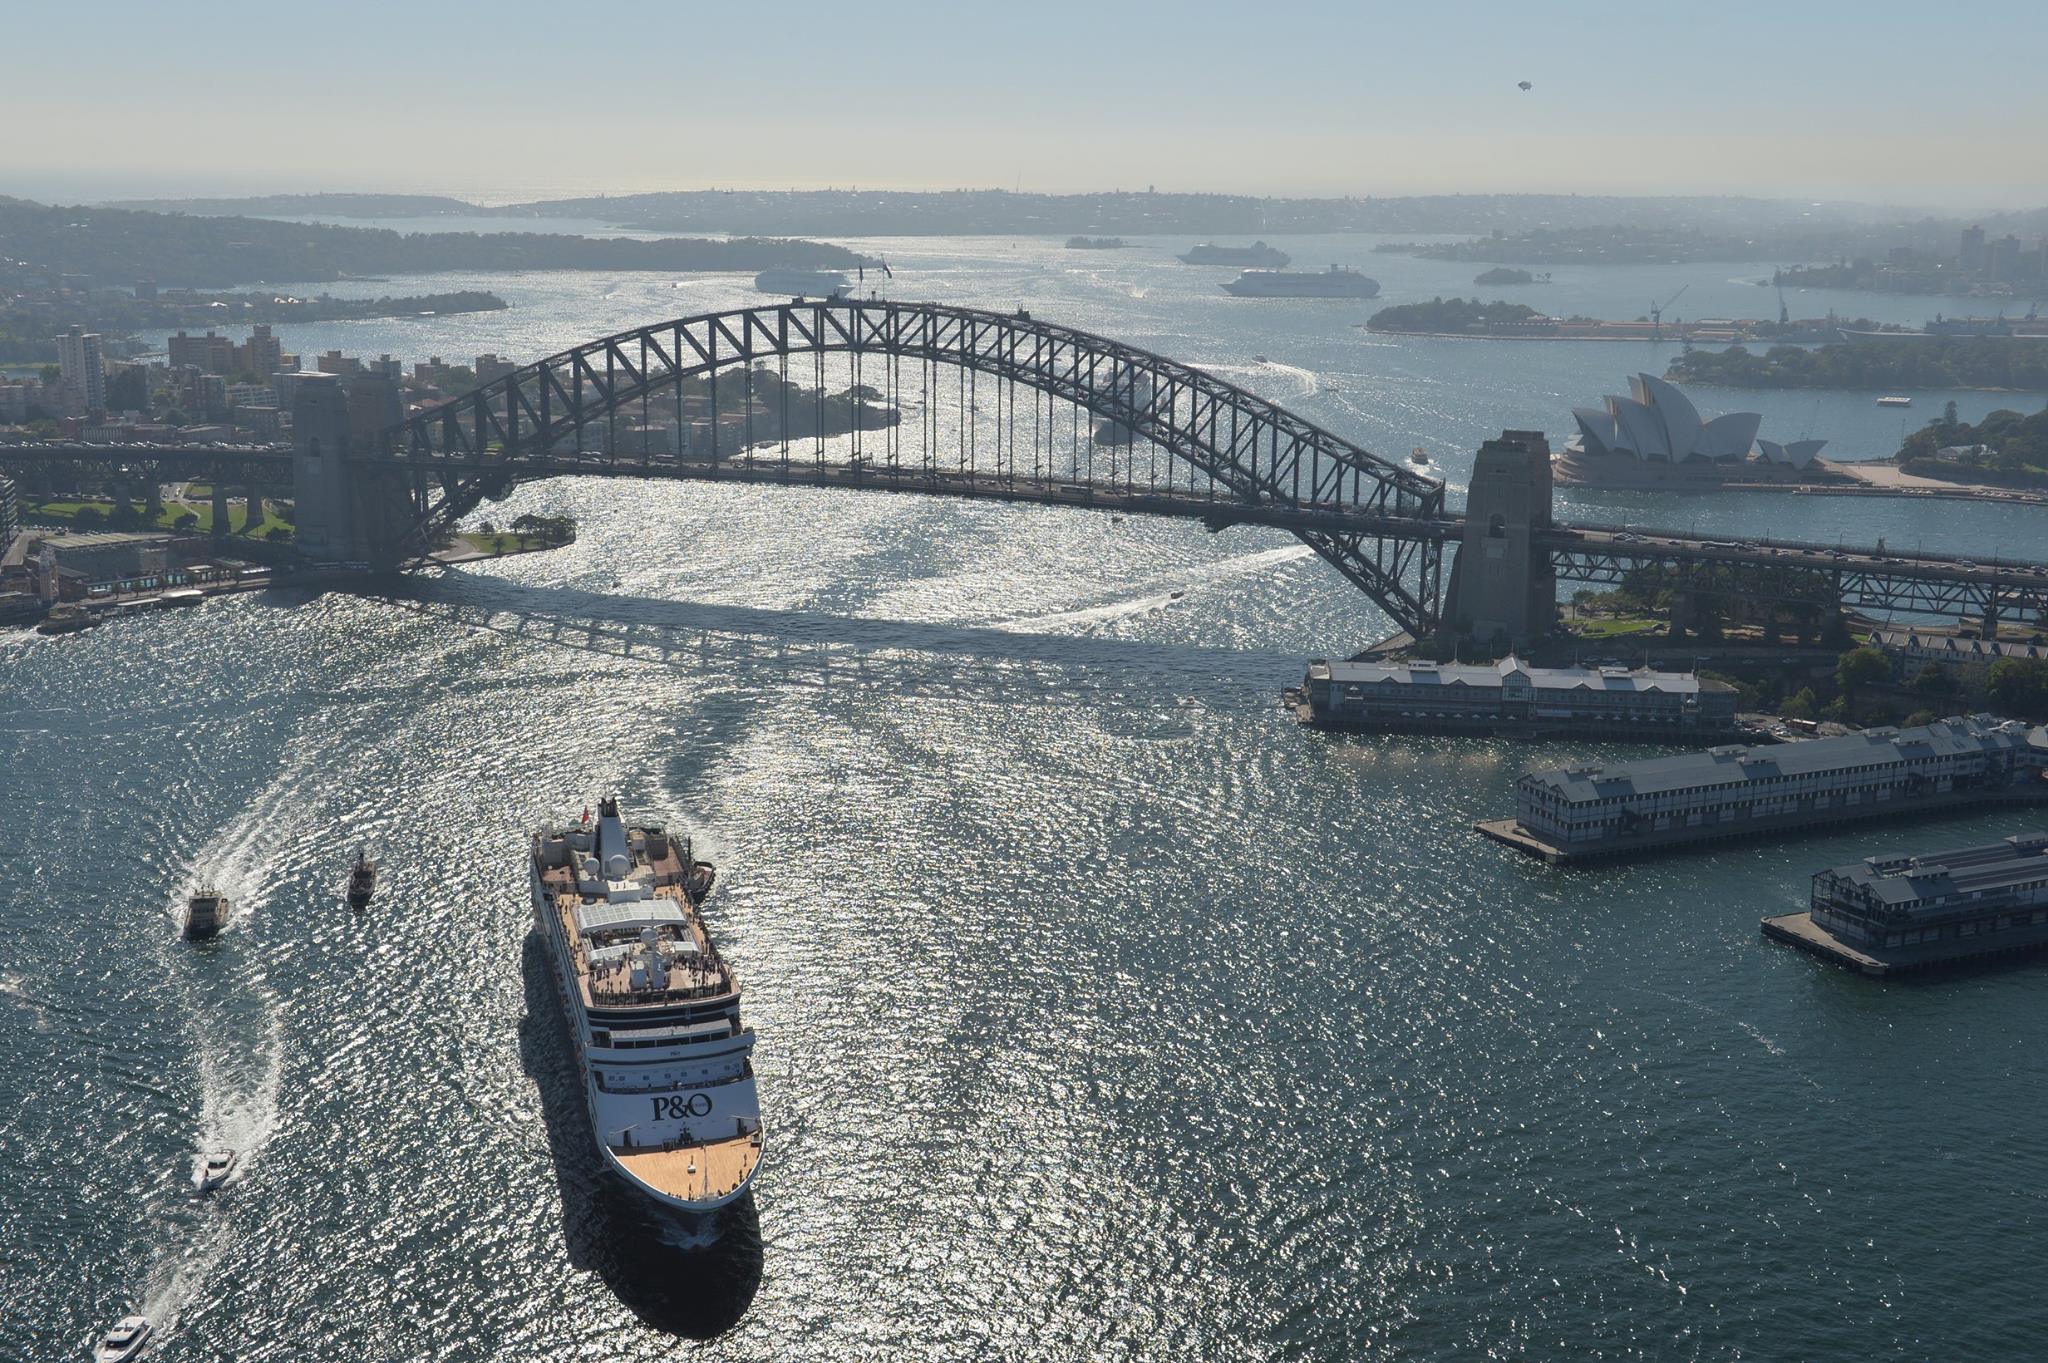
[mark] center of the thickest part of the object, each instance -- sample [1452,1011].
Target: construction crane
[1657,313]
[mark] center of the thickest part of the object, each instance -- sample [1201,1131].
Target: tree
[1861,667]
[1934,680]
[1802,705]
[1917,719]
[2018,686]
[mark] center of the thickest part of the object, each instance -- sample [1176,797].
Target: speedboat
[211,1170]
[1260,359]
[129,1337]
[1417,456]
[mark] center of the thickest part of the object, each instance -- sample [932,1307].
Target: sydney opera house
[1655,438]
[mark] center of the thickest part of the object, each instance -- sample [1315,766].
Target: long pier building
[1617,809]
[1888,914]
[1511,696]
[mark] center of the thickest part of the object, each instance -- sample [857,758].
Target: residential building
[2002,258]
[262,353]
[490,368]
[82,369]
[1971,257]
[210,354]
[1953,650]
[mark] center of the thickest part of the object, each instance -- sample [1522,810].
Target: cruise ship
[654,1011]
[803,283]
[1258,253]
[1335,282]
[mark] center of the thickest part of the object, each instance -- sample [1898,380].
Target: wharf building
[1618,809]
[1512,697]
[1889,914]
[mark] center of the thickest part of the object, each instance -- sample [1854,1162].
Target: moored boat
[653,1009]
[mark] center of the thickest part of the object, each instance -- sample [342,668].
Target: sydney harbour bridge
[962,402]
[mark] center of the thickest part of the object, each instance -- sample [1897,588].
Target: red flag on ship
[586,813]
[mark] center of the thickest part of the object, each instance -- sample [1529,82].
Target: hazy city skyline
[1823,101]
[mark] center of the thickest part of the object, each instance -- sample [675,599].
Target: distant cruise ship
[654,1011]
[1335,282]
[802,283]
[1258,253]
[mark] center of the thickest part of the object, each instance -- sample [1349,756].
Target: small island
[1450,317]
[1998,364]
[1506,274]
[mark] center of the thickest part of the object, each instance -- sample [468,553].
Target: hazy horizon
[1821,102]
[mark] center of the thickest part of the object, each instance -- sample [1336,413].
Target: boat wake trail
[1159,594]
[237,1025]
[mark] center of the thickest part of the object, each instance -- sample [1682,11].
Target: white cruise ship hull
[672,1102]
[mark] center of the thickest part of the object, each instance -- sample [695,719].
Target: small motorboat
[129,1337]
[1416,456]
[211,1170]
[362,881]
[1260,359]
[206,913]
[1175,596]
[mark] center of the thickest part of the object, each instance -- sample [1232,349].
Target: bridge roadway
[1809,573]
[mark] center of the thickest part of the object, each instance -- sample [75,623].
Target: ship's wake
[1161,593]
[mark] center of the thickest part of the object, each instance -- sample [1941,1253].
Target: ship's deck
[702,974]
[694,1172]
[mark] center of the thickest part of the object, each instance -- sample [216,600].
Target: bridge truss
[1181,441]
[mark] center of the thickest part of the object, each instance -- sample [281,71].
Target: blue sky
[1928,104]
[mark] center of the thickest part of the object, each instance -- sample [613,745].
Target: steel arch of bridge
[1239,456]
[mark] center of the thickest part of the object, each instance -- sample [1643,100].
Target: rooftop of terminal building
[1424,673]
[1905,882]
[1735,765]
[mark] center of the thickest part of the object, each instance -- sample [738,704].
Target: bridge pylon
[347,511]
[1502,584]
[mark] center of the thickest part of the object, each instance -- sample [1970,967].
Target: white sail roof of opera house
[1659,422]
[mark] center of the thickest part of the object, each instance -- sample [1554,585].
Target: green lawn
[1611,629]
[238,516]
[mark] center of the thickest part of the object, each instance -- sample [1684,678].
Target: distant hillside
[307,205]
[116,246]
[833,212]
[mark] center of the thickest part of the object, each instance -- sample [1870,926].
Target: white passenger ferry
[668,1075]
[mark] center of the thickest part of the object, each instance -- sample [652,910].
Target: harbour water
[1103,1011]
